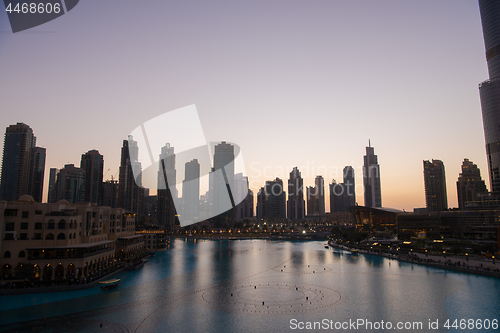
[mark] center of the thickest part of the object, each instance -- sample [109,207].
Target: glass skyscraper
[489,90]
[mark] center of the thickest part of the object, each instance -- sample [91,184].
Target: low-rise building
[62,240]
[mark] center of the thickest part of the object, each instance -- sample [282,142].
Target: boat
[110,284]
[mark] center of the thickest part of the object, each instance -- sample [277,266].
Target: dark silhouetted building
[436,198]
[275,204]
[93,164]
[167,178]
[243,210]
[470,186]
[371,178]
[296,204]
[342,195]
[191,191]
[489,90]
[316,198]
[51,197]
[70,184]
[130,191]
[23,164]
[37,173]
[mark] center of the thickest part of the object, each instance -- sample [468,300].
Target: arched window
[51,224]
[74,235]
[61,224]
[61,236]
[69,235]
[6,254]
[22,254]
[49,237]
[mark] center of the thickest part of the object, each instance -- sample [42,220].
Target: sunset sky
[293,83]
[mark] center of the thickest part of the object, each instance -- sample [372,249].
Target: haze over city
[292,83]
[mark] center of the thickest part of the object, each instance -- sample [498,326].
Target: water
[220,286]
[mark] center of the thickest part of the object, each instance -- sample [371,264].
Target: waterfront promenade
[473,265]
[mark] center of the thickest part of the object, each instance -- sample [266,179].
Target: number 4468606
[34,8]
[472,324]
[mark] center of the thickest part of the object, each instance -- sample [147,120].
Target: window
[93,214]
[22,254]
[61,224]
[38,226]
[51,224]
[38,236]
[24,225]
[10,212]
[38,212]
[49,237]
[9,236]
[6,254]
[25,214]
[23,236]
[9,226]
[61,236]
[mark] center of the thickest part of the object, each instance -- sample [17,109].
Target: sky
[293,83]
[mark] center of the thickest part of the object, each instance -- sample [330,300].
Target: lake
[265,286]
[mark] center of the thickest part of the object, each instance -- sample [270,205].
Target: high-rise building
[37,173]
[275,204]
[191,192]
[469,185]
[110,193]
[243,195]
[316,198]
[371,178]
[23,164]
[296,203]
[489,90]
[436,198]
[70,184]
[224,163]
[51,196]
[342,195]
[261,203]
[167,191]
[130,191]
[93,164]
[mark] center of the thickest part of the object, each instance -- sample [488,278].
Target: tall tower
[371,178]
[469,185]
[93,164]
[51,196]
[37,173]
[191,191]
[167,178]
[130,191]
[275,206]
[343,196]
[436,198]
[489,90]
[295,204]
[349,187]
[18,148]
[223,162]
[316,198]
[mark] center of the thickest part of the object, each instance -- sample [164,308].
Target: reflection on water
[259,285]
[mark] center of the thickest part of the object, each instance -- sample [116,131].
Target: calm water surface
[260,286]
